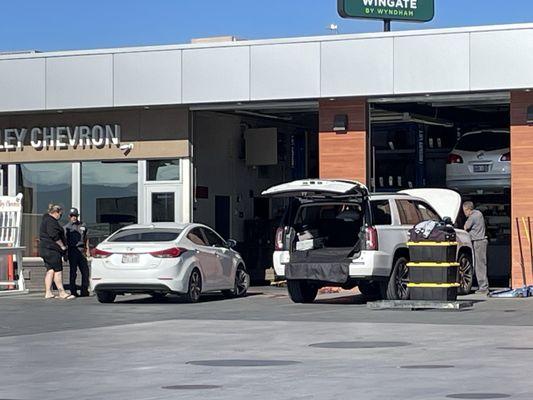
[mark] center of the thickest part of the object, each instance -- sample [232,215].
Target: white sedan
[159,259]
[480,163]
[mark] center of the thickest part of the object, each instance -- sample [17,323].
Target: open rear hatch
[319,189]
[323,235]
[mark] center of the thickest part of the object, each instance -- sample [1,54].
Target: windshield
[487,141]
[145,235]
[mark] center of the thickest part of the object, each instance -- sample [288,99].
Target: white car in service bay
[167,258]
[480,162]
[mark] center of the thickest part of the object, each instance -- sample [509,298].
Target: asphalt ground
[262,346]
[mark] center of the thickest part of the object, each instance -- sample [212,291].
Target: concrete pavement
[141,349]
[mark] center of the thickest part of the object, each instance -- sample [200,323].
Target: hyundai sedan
[159,259]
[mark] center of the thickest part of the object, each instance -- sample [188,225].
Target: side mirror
[231,243]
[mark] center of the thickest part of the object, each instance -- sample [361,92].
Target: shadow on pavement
[174,299]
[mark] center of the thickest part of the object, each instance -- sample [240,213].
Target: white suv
[335,233]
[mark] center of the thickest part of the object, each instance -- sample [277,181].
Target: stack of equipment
[433,270]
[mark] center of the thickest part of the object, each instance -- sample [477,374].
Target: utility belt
[480,240]
[77,248]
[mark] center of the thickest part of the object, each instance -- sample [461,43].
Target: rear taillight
[506,157]
[371,238]
[173,252]
[97,253]
[278,242]
[455,159]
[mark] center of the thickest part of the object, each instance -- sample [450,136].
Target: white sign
[11,203]
[60,137]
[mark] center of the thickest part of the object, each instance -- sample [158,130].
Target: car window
[427,212]
[409,214]
[381,213]
[213,239]
[195,236]
[145,235]
[487,141]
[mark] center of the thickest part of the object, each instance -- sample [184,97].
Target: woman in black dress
[52,247]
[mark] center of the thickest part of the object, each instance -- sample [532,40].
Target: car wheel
[242,283]
[195,286]
[465,274]
[301,291]
[397,287]
[106,297]
[370,289]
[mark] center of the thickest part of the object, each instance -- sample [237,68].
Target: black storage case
[433,272]
[444,293]
[433,251]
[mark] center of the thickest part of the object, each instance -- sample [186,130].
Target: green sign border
[341,7]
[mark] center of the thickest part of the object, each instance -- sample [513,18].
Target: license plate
[481,168]
[130,259]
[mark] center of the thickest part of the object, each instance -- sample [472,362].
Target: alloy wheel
[195,286]
[242,282]
[466,275]
[402,280]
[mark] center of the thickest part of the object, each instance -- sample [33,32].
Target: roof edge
[262,42]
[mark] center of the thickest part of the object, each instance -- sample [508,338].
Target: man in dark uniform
[76,234]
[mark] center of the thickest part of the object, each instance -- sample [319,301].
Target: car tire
[396,288]
[370,289]
[302,291]
[194,288]
[241,285]
[465,274]
[106,297]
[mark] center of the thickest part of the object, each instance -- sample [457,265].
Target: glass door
[163,203]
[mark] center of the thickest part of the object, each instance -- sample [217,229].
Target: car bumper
[171,277]
[138,286]
[370,264]
[280,258]
[474,185]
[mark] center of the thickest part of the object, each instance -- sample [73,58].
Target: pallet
[419,305]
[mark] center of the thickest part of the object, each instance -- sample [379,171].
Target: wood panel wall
[521,185]
[343,155]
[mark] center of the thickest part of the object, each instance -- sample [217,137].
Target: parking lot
[262,346]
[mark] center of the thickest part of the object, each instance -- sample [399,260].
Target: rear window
[487,141]
[145,235]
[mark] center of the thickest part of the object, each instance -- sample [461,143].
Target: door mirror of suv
[447,221]
[231,243]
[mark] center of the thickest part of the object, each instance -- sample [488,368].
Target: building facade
[197,131]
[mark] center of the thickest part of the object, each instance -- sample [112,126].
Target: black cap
[74,211]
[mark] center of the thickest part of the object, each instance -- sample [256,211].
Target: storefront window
[41,184]
[163,170]
[108,197]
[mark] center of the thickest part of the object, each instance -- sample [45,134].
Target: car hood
[318,188]
[446,202]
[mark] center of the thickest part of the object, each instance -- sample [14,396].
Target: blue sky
[75,24]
